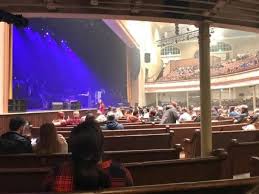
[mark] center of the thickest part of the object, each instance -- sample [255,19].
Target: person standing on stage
[101,107]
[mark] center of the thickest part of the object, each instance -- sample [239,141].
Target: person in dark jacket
[13,142]
[111,123]
[170,115]
[243,116]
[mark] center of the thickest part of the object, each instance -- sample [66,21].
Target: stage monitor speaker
[57,105]
[17,105]
[75,105]
[147,57]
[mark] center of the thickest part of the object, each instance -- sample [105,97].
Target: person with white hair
[118,114]
[100,117]
[111,123]
[244,114]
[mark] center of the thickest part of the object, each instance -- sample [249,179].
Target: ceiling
[223,13]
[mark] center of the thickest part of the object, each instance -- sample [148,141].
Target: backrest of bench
[184,170]
[138,142]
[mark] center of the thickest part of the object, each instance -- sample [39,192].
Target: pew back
[220,139]
[139,142]
[173,171]
[127,156]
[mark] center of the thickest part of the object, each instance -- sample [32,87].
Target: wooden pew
[240,154]
[66,134]
[180,133]
[225,186]
[127,156]
[220,139]
[139,142]
[254,166]
[183,170]
[22,180]
[211,168]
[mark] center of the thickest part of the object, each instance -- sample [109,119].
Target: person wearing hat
[170,115]
[243,116]
[111,123]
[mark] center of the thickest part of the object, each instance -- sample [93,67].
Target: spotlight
[47,33]
[17,20]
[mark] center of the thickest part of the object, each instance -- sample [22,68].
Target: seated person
[118,114]
[185,116]
[13,142]
[87,171]
[152,115]
[243,116]
[134,117]
[254,124]
[49,141]
[60,121]
[232,112]
[100,118]
[75,120]
[111,123]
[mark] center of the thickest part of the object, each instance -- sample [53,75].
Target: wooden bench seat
[183,170]
[254,166]
[240,154]
[220,139]
[126,156]
[139,142]
[66,134]
[168,171]
[22,180]
[225,186]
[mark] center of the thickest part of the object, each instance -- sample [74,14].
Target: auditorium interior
[193,61]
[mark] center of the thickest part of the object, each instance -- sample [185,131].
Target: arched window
[220,47]
[170,50]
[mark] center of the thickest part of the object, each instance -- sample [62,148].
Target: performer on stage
[101,107]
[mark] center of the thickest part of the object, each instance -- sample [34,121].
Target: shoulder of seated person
[61,137]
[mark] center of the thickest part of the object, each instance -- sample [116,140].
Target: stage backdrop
[68,59]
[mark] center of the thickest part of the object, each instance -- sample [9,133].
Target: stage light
[47,33]
[17,20]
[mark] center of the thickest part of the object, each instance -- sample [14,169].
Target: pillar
[5,66]
[254,97]
[220,97]
[156,99]
[187,99]
[205,91]
[229,93]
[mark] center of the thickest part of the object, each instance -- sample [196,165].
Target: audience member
[170,115]
[75,120]
[49,141]
[232,112]
[111,123]
[185,116]
[60,121]
[100,118]
[134,117]
[118,114]
[87,171]
[13,142]
[243,116]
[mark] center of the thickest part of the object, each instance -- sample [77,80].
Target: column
[156,99]
[187,99]
[205,92]
[254,97]
[229,93]
[5,66]
[220,97]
